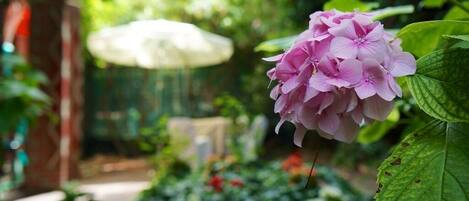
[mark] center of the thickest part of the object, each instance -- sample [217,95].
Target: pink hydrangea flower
[338,75]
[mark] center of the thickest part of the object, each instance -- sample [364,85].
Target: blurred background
[169,100]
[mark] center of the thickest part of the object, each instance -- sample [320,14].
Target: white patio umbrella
[159,44]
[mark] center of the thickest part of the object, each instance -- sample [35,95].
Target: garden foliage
[20,97]
[234,181]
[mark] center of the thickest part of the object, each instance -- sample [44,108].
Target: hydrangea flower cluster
[338,75]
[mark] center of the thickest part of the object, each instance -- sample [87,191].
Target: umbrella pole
[189,90]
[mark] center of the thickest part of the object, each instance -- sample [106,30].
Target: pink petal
[310,93]
[374,50]
[329,123]
[394,86]
[306,72]
[279,124]
[344,29]
[321,48]
[327,100]
[344,48]
[375,34]
[377,108]
[362,19]
[291,84]
[351,70]
[300,132]
[383,90]
[370,63]
[275,92]
[324,134]
[403,64]
[327,66]
[304,36]
[318,81]
[271,74]
[365,90]
[352,103]
[297,57]
[280,103]
[359,30]
[307,117]
[357,116]
[347,130]
[338,82]
[319,38]
[284,71]
[340,104]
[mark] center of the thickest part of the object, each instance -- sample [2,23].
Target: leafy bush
[71,193]
[154,138]
[20,97]
[229,180]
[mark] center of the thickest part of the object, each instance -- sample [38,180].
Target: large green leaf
[441,84]
[457,13]
[423,37]
[349,5]
[458,37]
[431,164]
[275,45]
[433,3]
[391,11]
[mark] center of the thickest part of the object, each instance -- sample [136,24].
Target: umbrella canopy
[159,44]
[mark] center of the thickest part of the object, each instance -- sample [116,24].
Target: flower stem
[460,5]
[312,168]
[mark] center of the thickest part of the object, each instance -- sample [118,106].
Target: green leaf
[276,44]
[429,165]
[458,37]
[433,3]
[423,37]
[461,41]
[441,84]
[391,11]
[349,5]
[377,130]
[456,13]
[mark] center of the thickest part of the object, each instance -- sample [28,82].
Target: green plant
[21,96]
[230,107]
[153,139]
[71,193]
[21,102]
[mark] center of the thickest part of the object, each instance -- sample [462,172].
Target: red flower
[216,182]
[293,161]
[237,183]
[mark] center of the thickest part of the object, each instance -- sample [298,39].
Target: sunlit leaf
[392,11]
[423,37]
[431,164]
[456,13]
[433,3]
[441,86]
[349,5]
[276,44]
[458,37]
